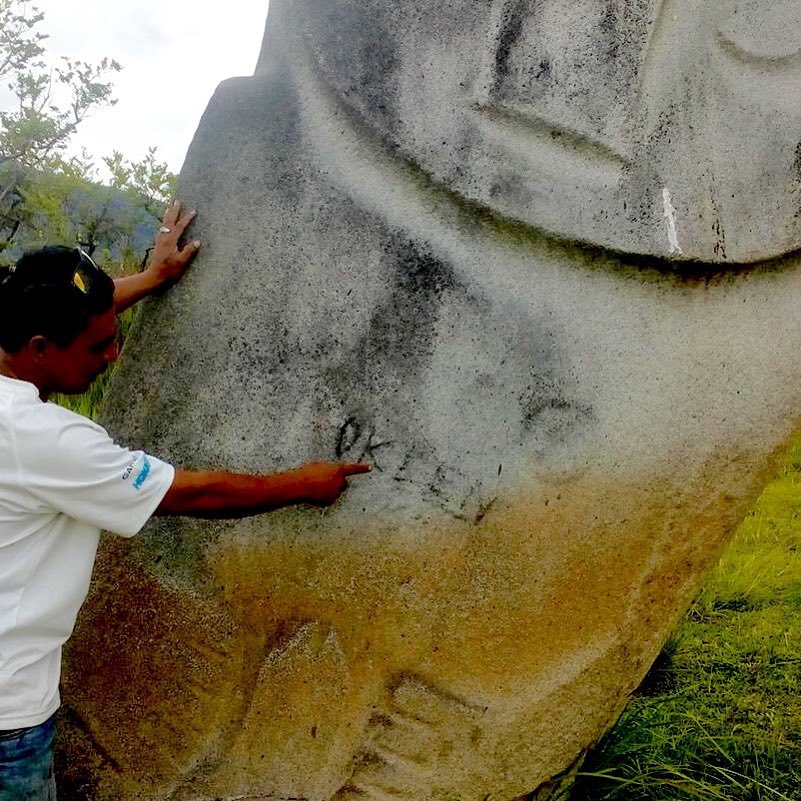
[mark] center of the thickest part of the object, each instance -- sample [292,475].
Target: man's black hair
[42,297]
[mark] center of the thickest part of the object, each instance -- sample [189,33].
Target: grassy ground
[719,716]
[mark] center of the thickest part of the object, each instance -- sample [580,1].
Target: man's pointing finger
[355,469]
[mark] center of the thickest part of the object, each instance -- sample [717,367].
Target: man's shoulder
[42,420]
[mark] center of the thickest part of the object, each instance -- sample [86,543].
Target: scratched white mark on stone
[670,216]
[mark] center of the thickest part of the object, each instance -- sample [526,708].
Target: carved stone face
[409,216]
[655,127]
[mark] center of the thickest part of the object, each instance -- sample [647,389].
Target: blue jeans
[26,764]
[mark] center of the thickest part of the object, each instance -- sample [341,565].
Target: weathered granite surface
[538,263]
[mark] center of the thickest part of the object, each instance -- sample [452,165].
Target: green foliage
[45,196]
[720,715]
[52,99]
[62,207]
[90,403]
[41,125]
[20,44]
[149,179]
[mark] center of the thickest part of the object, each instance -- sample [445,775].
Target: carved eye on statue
[763,32]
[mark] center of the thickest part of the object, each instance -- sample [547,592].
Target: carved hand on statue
[421,738]
[168,260]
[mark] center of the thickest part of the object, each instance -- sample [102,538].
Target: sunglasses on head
[82,276]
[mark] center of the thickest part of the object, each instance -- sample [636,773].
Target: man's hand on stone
[168,262]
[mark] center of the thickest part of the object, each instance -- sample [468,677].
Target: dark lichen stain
[543,71]
[797,168]
[720,239]
[359,60]
[379,381]
[510,31]
[399,339]
[555,419]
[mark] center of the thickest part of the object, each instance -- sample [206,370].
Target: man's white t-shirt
[62,480]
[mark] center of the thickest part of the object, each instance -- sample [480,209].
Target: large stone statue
[536,261]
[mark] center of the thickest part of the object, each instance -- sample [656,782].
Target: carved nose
[573,65]
[520,62]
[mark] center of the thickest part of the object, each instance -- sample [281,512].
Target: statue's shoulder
[250,126]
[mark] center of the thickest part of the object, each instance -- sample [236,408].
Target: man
[62,479]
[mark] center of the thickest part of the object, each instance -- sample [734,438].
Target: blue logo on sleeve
[143,474]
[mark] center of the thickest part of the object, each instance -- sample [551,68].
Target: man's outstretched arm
[167,262]
[201,493]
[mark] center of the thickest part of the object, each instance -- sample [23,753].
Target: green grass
[719,715]
[90,403]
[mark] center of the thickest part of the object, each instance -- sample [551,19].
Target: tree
[51,102]
[150,179]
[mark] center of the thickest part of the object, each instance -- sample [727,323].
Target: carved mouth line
[532,127]
[686,271]
[339,141]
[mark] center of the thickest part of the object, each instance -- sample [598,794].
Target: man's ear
[37,347]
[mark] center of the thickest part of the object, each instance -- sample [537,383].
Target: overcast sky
[173,56]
